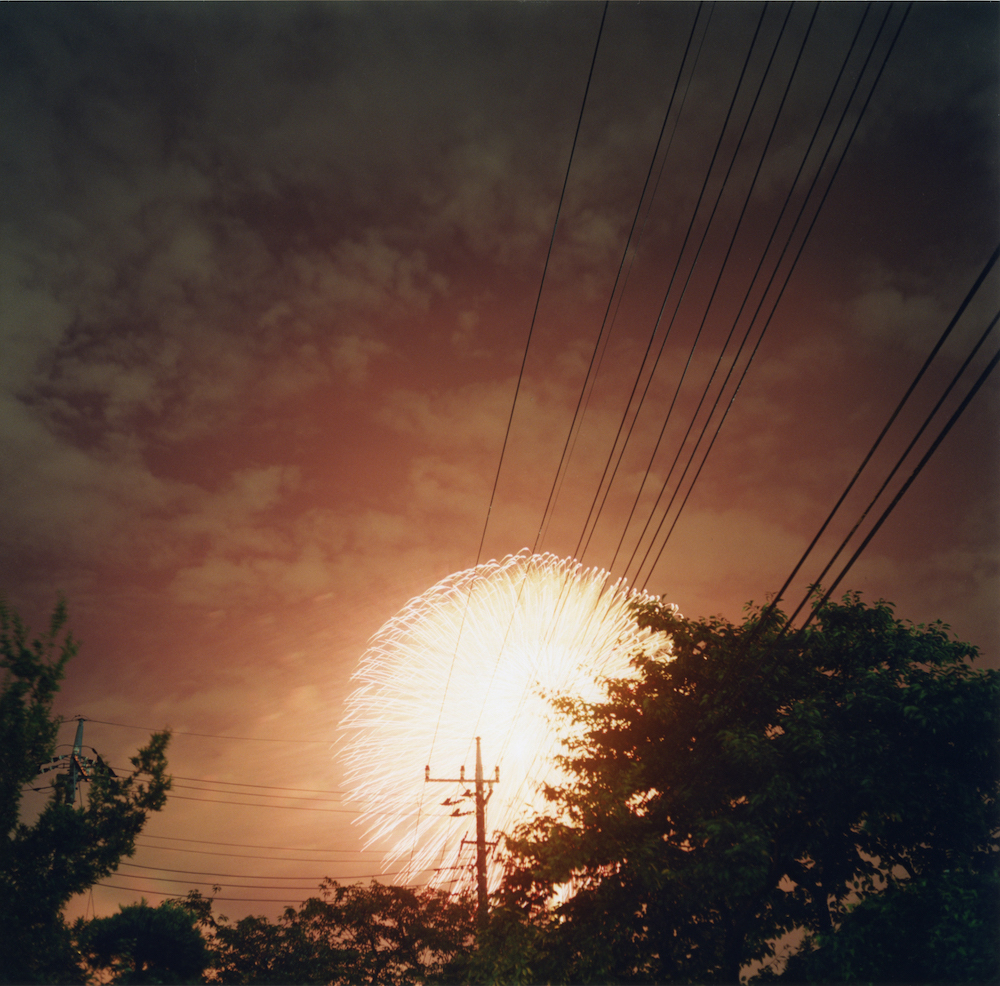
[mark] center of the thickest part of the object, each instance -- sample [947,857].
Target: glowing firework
[479,654]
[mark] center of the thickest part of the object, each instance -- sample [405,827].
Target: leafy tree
[143,944]
[256,951]
[351,935]
[941,930]
[749,783]
[68,848]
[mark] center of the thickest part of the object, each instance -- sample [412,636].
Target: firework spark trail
[503,638]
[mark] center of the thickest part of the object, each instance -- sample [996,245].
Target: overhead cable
[238,855]
[990,367]
[238,900]
[721,271]
[608,322]
[581,545]
[252,804]
[990,263]
[594,362]
[181,732]
[780,294]
[239,845]
[670,283]
[541,285]
[517,389]
[902,458]
[238,876]
[771,280]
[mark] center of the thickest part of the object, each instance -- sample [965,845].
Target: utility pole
[76,768]
[482,796]
[80,767]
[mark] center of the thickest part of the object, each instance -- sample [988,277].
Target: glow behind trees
[480,654]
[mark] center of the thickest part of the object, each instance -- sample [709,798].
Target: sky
[290,333]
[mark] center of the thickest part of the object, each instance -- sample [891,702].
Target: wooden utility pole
[481,796]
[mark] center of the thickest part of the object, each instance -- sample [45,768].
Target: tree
[351,935]
[143,944]
[255,950]
[750,782]
[940,930]
[68,848]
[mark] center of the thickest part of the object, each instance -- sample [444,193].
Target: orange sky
[269,274]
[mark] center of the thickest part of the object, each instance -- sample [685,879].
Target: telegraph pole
[482,796]
[76,768]
[80,767]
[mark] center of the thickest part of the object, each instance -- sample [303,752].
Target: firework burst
[479,654]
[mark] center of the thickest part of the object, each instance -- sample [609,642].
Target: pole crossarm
[83,764]
[482,797]
[80,767]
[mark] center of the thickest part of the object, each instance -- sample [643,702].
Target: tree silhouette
[351,934]
[68,848]
[750,783]
[143,944]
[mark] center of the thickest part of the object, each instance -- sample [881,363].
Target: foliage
[941,930]
[143,944]
[750,783]
[351,935]
[67,848]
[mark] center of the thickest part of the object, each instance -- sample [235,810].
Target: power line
[892,417]
[210,790]
[777,224]
[591,375]
[254,794]
[264,787]
[888,510]
[250,886]
[582,545]
[732,242]
[721,271]
[771,281]
[899,462]
[181,732]
[991,366]
[244,900]
[268,787]
[520,377]
[264,804]
[541,285]
[252,804]
[670,284]
[236,855]
[228,900]
[747,294]
[238,845]
[916,471]
[244,876]
[594,362]
[750,113]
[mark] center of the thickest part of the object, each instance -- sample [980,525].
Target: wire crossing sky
[267,274]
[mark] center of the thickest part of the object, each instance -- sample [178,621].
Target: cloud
[888,311]
[467,417]
[450,490]
[32,321]
[246,582]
